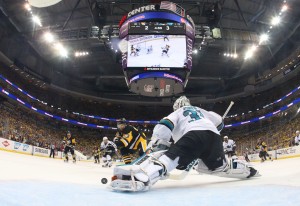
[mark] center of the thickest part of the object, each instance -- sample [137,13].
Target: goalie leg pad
[147,171]
[231,169]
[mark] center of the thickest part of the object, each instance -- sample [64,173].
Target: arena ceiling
[99,73]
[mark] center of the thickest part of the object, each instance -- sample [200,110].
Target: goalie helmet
[181,102]
[105,139]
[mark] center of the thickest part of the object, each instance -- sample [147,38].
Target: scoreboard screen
[156,51]
[156,28]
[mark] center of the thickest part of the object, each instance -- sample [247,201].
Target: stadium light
[195,51]
[37,20]
[275,20]
[81,53]
[61,50]
[48,37]
[284,8]
[27,7]
[250,52]
[263,38]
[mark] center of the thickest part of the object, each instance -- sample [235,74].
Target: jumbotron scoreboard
[156,45]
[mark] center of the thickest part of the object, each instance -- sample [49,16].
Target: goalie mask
[181,102]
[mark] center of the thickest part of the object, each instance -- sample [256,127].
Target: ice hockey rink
[29,180]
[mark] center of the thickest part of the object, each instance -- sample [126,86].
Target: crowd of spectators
[21,125]
[278,132]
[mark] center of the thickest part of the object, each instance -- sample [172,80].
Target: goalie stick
[185,172]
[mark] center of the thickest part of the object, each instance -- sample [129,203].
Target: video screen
[156,51]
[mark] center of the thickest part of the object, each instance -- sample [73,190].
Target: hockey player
[195,132]
[149,49]
[263,150]
[132,51]
[130,141]
[165,50]
[166,38]
[96,154]
[229,147]
[297,138]
[69,143]
[109,149]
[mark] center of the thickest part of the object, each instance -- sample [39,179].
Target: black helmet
[121,121]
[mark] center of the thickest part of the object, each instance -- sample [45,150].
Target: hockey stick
[228,109]
[184,173]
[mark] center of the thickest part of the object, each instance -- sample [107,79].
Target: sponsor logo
[168,88]
[189,52]
[5,143]
[25,147]
[148,88]
[141,9]
[40,150]
[124,59]
[156,69]
[17,145]
[286,151]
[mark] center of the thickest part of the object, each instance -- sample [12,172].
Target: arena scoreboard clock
[156,28]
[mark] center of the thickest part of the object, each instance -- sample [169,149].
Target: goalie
[196,135]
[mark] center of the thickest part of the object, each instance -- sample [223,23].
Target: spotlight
[48,37]
[263,38]
[249,54]
[284,8]
[235,55]
[275,20]
[62,51]
[27,7]
[195,51]
[36,20]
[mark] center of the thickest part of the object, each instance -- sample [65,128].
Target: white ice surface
[28,180]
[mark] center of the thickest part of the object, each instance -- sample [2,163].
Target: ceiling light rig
[49,38]
[81,53]
[264,38]
[231,55]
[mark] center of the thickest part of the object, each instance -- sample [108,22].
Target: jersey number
[193,113]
